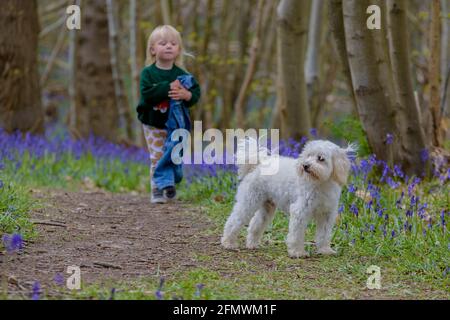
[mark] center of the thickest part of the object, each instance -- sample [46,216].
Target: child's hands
[179,93]
[175,85]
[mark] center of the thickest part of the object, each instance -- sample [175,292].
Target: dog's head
[323,160]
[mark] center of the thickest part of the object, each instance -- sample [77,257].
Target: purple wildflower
[354,209]
[36,291]
[392,183]
[352,188]
[399,200]
[12,243]
[313,132]
[393,234]
[59,279]
[389,138]
[199,287]
[372,228]
[341,209]
[424,155]
[398,172]
[1,184]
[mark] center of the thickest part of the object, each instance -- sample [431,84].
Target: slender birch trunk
[434,72]
[121,98]
[336,21]
[313,55]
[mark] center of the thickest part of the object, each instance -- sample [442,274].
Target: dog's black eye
[320,158]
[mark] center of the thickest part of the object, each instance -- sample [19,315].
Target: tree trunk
[445,65]
[123,107]
[373,105]
[95,96]
[313,55]
[336,21]
[408,117]
[292,33]
[434,72]
[20,93]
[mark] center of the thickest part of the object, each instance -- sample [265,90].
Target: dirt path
[110,236]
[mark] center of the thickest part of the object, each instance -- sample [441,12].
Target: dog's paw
[295,253]
[229,244]
[252,245]
[326,251]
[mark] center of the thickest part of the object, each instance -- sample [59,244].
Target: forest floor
[122,241]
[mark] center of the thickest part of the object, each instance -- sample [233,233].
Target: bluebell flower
[36,291]
[392,183]
[112,294]
[398,172]
[159,295]
[424,155]
[352,188]
[12,243]
[409,213]
[199,287]
[1,184]
[389,138]
[372,228]
[393,234]
[59,279]
[399,200]
[341,209]
[354,209]
[313,132]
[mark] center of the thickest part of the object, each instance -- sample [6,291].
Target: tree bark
[445,65]
[373,105]
[434,72]
[336,21]
[409,124]
[123,107]
[20,93]
[292,33]
[313,55]
[95,96]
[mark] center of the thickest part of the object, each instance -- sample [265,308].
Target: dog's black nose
[306,167]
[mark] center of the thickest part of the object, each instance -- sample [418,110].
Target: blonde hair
[164,32]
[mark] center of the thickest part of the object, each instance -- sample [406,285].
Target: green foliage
[350,129]
[15,206]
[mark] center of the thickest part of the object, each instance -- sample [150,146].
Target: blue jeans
[166,172]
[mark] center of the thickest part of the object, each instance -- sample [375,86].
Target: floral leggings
[155,138]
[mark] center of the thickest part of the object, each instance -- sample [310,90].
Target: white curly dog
[307,187]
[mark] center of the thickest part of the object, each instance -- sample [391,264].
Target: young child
[158,85]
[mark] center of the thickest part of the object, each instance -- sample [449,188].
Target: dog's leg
[298,222]
[324,229]
[260,221]
[241,215]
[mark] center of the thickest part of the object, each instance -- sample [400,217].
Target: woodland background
[293,65]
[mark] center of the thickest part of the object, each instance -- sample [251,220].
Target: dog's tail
[249,155]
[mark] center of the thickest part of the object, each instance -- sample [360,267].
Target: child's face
[165,49]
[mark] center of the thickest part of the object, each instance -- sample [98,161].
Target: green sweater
[154,101]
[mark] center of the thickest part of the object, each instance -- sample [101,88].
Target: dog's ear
[341,166]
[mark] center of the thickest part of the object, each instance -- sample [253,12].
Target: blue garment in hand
[166,172]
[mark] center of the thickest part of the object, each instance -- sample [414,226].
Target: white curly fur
[307,187]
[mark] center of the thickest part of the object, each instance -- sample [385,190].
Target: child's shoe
[157,196]
[169,192]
